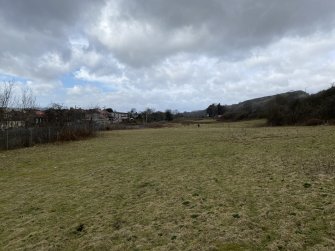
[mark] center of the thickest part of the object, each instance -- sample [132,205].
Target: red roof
[40,114]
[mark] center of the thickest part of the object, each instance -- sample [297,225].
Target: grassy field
[217,187]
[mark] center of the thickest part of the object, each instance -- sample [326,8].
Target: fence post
[7,143]
[31,137]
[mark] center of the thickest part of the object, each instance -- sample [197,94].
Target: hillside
[258,107]
[290,108]
[315,109]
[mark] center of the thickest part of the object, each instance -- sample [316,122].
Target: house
[99,117]
[40,118]
[11,124]
[104,117]
[11,118]
[118,117]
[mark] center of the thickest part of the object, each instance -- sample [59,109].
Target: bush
[314,122]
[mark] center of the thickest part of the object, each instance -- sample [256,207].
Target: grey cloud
[35,27]
[236,17]
[35,38]
[48,16]
[226,28]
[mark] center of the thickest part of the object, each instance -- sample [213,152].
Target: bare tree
[28,100]
[27,105]
[6,91]
[6,98]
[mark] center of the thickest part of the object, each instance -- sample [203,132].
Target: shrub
[314,122]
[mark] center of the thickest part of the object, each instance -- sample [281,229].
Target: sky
[176,54]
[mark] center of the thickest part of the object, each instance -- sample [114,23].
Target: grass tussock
[213,187]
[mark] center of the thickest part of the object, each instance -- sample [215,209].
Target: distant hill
[290,108]
[249,109]
[258,107]
[314,109]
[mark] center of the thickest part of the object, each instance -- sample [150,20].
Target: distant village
[18,118]
[24,127]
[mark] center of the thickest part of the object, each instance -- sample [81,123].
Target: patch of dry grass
[217,187]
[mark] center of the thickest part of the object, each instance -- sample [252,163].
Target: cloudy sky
[178,54]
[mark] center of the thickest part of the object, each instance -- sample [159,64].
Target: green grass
[217,187]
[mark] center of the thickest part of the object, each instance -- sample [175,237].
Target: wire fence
[25,137]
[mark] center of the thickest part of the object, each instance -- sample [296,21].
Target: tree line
[314,109]
[150,115]
[292,108]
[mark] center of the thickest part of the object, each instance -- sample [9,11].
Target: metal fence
[25,137]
